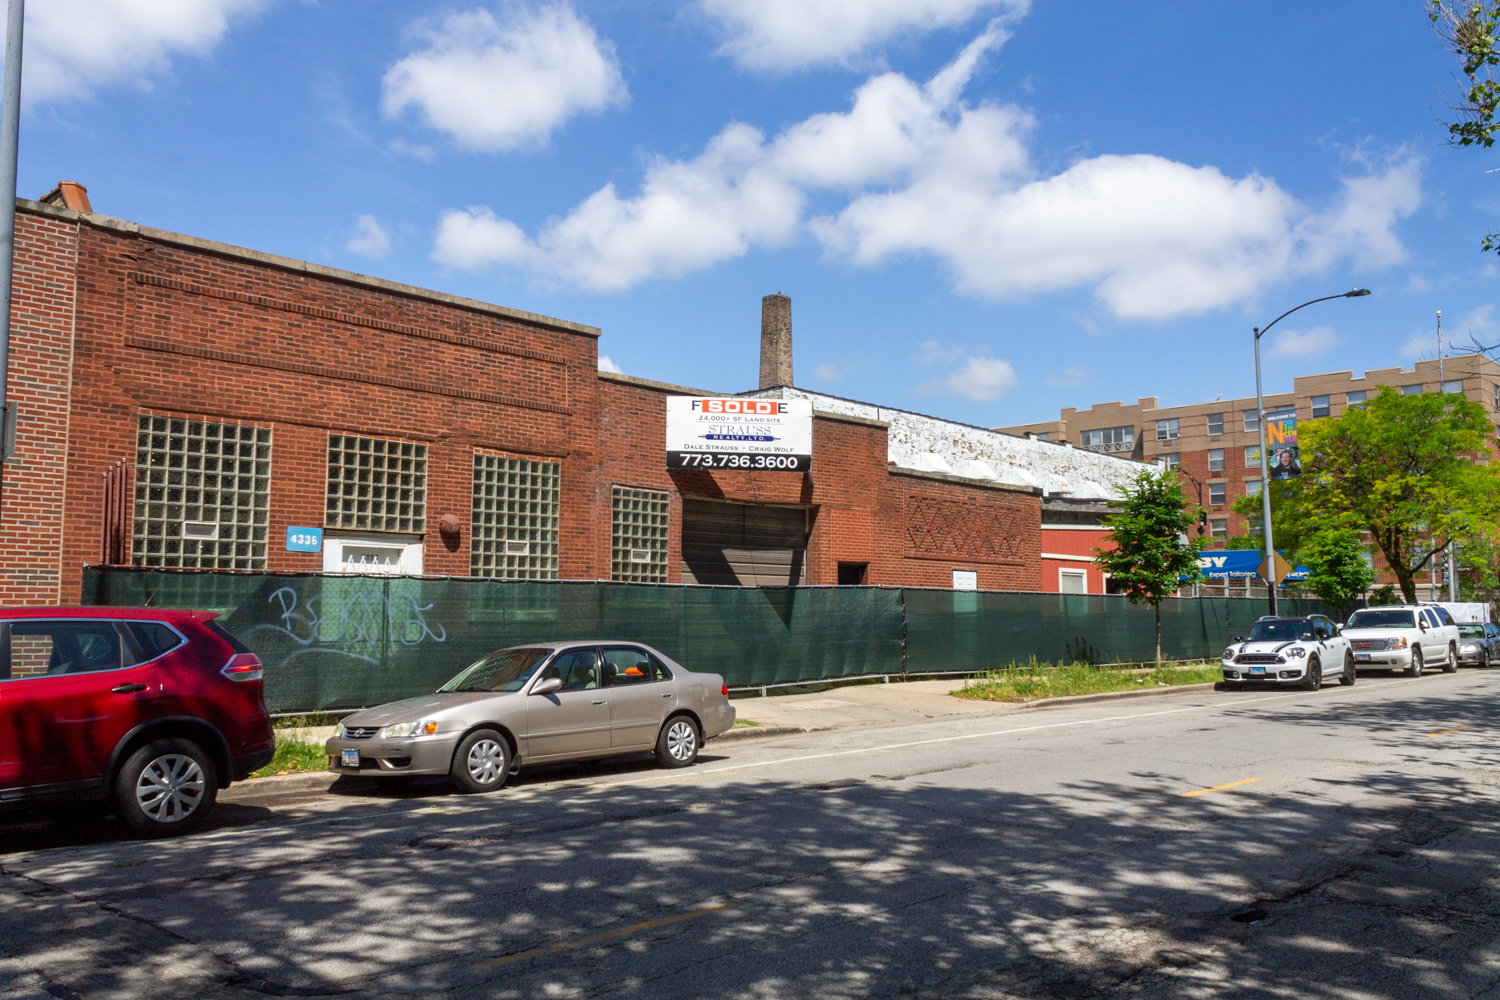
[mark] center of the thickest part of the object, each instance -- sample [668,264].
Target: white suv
[1301,651]
[1404,637]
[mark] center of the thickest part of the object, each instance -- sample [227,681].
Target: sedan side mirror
[547,685]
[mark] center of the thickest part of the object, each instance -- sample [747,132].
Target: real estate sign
[737,433]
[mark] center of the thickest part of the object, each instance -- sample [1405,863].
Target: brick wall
[35,480]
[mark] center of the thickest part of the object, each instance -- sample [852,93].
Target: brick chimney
[69,194]
[775,341]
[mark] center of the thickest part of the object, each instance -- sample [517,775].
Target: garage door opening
[743,545]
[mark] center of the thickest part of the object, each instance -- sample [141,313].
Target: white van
[1405,637]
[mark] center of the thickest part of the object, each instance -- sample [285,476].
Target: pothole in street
[1254,915]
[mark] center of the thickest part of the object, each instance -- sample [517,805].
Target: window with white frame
[1357,398]
[638,549]
[1411,390]
[514,533]
[1043,436]
[1073,581]
[1171,460]
[202,494]
[1320,407]
[1166,430]
[1110,438]
[1216,494]
[376,485]
[1252,420]
[1252,487]
[1216,460]
[1218,528]
[1215,423]
[1453,385]
[1252,456]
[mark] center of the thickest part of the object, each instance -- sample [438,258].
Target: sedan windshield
[1467,631]
[1281,630]
[1381,619]
[505,670]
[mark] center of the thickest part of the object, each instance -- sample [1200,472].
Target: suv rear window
[154,638]
[218,630]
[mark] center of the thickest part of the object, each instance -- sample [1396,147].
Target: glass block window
[514,532]
[376,485]
[202,494]
[638,550]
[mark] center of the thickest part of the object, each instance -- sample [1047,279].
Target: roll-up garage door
[746,545]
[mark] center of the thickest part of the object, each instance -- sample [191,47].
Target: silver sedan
[549,702]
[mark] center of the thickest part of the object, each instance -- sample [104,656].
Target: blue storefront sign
[304,539]
[1240,564]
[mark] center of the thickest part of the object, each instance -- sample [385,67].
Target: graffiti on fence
[340,624]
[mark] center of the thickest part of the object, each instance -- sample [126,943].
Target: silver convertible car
[548,702]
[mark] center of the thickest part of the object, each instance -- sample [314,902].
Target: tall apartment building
[1216,444]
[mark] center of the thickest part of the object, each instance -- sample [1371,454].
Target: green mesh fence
[347,641]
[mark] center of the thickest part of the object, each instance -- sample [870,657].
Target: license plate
[1361,656]
[1257,670]
[351,758]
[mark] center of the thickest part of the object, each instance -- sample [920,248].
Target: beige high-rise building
[1216,443]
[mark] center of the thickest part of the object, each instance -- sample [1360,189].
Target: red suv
[149,711]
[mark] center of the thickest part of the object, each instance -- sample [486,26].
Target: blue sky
[982,209]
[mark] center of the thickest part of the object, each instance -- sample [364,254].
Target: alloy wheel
[170,789]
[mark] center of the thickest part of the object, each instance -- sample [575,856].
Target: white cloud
[829,372]
[1304,343]
[1071,376]
[493,85]
[782,35]
[980,379]
[920,172]
[370,239]
[607,364]
[401,147]
[76,46]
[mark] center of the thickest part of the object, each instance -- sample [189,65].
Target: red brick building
[184,403]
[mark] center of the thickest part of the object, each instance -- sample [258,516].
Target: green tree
[1149,560]
[1468,29]
[1337,571]
[1288,517]
[1401,468]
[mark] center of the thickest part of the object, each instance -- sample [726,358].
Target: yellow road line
[1218,788]
[605,936]
[1442,731]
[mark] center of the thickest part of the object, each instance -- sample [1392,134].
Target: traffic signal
[1202,521]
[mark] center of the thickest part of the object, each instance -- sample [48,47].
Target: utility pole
[10,144]
[1451,559]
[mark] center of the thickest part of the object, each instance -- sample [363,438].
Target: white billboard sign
[738,433]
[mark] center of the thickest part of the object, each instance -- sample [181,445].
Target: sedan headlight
[1397,643]
[401,729]
[1471,647]
[1296,652]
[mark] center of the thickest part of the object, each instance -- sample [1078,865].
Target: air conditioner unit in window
[200,531]
[640,555]
[518,548]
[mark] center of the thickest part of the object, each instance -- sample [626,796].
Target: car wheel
[166,787]
[1314,679]
[481,763]
[1348,677]
[1451,666]
[1415,670]
[677,746]
[1484,659]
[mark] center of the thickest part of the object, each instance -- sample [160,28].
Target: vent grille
[352,733]
[1258,658]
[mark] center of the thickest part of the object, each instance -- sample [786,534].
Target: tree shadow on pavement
[886,885]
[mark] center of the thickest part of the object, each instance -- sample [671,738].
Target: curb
[761,732]
[1084,699]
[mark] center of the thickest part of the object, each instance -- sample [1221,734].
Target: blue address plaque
[304,539]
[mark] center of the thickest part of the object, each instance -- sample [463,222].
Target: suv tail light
[725,691]
[242,667]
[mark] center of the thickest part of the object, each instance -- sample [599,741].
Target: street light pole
[1265,465]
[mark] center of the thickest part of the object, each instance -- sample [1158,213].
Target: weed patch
[295,757]
[1032,680]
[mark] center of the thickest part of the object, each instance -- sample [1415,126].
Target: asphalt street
[1340,843]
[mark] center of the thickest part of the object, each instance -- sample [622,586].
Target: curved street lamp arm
[1343,295]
